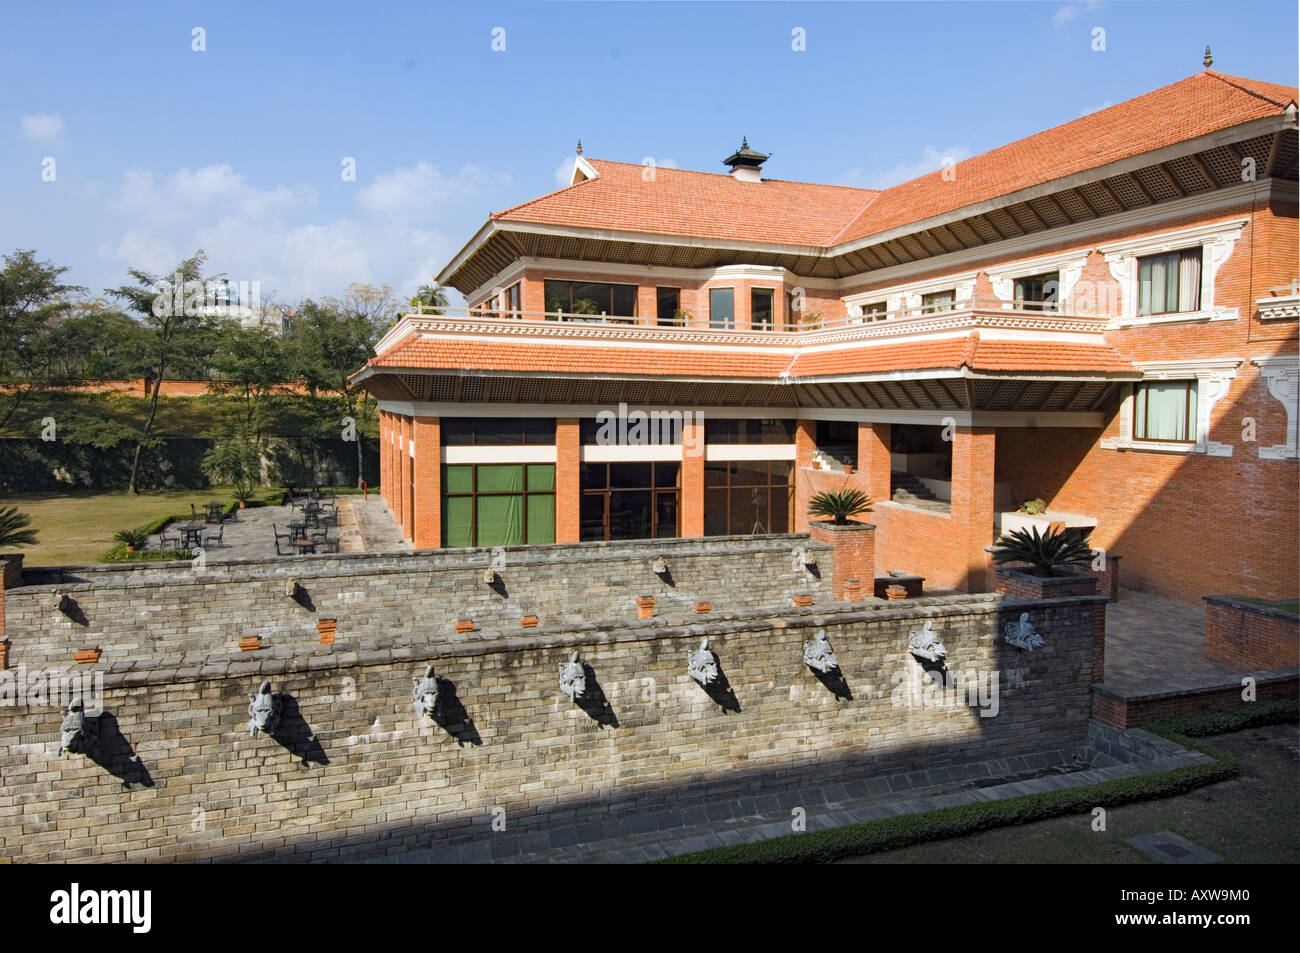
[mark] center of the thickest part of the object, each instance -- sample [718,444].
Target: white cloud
[42,126]
[930,160]
[270,235]
[1072,11]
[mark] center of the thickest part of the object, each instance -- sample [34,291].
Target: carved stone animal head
[264,710]
[425,692]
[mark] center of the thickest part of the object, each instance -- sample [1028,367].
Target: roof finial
[1209,58]
[744,142]
[579,147]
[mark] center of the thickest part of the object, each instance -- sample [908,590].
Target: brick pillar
[853,554]
[873,459]
[428,483]
[385,457]
[972,501]
[692,503]
[405,479]
[568,480]
[805,442]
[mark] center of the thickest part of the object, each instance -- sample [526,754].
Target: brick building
[1102,316]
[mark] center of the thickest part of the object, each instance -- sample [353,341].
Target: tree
[13,528]
[170,310]
[32,296]
[431,297]
[331,343]
[250,362]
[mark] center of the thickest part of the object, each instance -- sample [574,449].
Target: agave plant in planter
[839,505]
[132,539]
[1051,553]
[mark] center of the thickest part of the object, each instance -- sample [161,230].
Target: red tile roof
[717,207]
[681,202]
[951,353]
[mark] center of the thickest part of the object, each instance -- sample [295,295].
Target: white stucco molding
[1068,264]
[1217,241]
[1213,378]
[1282,374]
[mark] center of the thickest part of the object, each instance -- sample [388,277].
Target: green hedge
[889,833]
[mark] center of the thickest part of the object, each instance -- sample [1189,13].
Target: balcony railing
[803,328]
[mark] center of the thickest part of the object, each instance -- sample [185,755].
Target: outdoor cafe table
[191,534]
[305,546]
[214,512]
[298,531]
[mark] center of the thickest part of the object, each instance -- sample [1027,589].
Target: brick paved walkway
[1156,644]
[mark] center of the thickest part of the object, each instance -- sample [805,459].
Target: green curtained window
[498,504]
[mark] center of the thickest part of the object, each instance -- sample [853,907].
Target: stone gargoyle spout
[1021,634]
[573,678]
[79,731]
[819,655]
[925,644]
[425,692]
[702,664]
[264,710]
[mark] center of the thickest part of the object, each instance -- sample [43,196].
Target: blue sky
[159,149]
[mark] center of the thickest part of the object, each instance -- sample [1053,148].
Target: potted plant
[1050,554]
[839,505]
[132,539]
[1034,507]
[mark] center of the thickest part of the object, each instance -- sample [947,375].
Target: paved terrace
[363,525]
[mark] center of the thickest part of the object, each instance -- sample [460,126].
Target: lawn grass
[76,528]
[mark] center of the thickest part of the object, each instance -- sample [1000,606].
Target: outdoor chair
[217,538]
[168,542]
[282,536]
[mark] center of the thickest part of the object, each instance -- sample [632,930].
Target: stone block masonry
[150,611]
[354,772]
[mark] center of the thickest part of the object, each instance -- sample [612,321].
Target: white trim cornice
[1282,375]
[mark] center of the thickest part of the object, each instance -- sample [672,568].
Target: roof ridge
[1229,80]
[727,175]
[513,208]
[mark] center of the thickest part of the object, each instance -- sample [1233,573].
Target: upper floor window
[722,308]
[497,431]
[668,302]
[761,309]
[876,311]
[590,297]
[1165,410]
[937,301]
[1038,292]
[779,430]
[1170,282]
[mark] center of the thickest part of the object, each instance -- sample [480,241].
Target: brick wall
[854,549]
[353,771]
[1250,636]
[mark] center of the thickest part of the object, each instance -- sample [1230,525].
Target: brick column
[692,502]
[405,478]
[873,459]
[428,483]
[854,554]
[385,457]
[805,442]
[972,500]
[568,480]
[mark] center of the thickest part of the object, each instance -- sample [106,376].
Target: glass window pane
[593,516]
[629,514]
[749,511]
[715,512]
[457,431]
[722,308]
[760,308]
[458,479]
[666,474]
[667,302]
[715,474]
[666,514]
[458,521]
[749,473]
[719,431]
[541,518]
[541,476]
[629,475]
[624,300]
[500,478]
[539,431]
[599,296]
[593,476]
[500,520]
[557,295]
[779,504]
[781,471]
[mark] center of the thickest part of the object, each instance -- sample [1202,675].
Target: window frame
[928,307]
[571,283]
[654,489]
[1177,254]
[729,487]
[671,321]
[1141,398]
[474,493]
[731,320]
[770,294]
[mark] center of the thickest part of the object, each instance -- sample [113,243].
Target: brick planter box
[1024,585]
[86,656]
[529,621]
[465,625]
[853,553]
[1250,635]
[702,607]
[250,643]
[645,607]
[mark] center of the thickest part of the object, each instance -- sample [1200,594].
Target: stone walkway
[1157,644]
